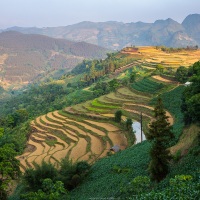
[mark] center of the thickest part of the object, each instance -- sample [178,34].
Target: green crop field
[148,86]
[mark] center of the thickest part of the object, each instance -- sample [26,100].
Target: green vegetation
[51,142]
[96,103]
[172,50]
[148,86]
[191,97]
[9,168]
[48,190]
[129,123]
[181,187]
[102,182]
[118,116]
[46,181]
[79,130]
[181,74]
[159,134]
[172,102]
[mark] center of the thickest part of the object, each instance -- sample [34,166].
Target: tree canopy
[191,96]
[159,135]
[9,168]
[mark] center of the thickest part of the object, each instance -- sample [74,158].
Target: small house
[115,148]
[188,83]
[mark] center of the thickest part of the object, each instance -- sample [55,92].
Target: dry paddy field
[84,131]
[150,55]
[57,135]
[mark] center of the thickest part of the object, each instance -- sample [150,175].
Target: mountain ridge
[117,35]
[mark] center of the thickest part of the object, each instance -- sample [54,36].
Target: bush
[72,174]
[139,185]
[49,191]
[34,177]
[118,116]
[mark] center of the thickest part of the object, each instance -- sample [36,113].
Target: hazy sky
[48,13]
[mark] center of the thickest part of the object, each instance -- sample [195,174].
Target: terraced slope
[131,101]
[85,131]
[151,56]
[58,134]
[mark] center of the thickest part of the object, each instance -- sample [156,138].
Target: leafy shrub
[34,177]
[177,156]
[138,185]
[72,174]
[181,187]
[49,191]
[119,170]
[118,115]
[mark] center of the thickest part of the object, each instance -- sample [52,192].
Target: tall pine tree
[159,135]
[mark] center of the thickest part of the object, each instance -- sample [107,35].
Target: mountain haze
[23,57]
[192,26]
[116,35]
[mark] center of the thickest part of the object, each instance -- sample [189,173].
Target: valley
[73,119]
[100,100]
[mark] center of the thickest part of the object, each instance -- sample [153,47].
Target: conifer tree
[159,135]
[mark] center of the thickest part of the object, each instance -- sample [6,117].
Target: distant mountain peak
[193,17]
[192,26]
[116,35]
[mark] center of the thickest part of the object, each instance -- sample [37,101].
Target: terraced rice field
[84,131]
[151,55]
[56,136]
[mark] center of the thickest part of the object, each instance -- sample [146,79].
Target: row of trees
[172,50]
[98,68]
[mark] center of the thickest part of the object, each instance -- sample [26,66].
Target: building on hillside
[187,83]
[115,148]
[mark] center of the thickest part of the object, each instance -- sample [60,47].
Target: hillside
[150,56]
[74,117]
[26,57]
[117,35]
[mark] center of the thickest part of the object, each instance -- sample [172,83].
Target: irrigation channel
[137,129]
